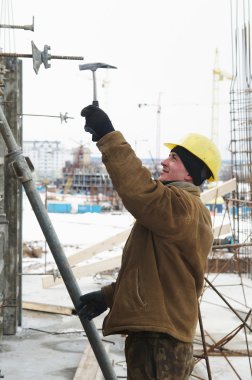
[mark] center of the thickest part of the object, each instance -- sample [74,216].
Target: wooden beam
[218,191]
[85,270]
[88,367]
[105,245]
[37,306]
[108,244]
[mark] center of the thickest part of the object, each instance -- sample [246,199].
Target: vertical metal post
[3,252]
[19,167]
[2,219]
[12,98]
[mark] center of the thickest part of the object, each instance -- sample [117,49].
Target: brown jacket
[164,258]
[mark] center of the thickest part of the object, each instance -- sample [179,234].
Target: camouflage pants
[155,356]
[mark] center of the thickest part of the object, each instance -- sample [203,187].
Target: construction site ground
[52,346]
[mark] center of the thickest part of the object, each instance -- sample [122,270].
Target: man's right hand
[97,122]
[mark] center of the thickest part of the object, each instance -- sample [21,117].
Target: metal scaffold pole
[19,167]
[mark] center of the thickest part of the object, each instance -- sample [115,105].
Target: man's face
[173,169]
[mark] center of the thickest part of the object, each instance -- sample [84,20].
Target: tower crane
[218,75]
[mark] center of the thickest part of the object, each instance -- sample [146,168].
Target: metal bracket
[40,57]
[14,165]
[64,117]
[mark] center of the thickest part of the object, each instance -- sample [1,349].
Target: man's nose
[164,162]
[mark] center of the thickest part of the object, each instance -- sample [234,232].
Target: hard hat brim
[170,145]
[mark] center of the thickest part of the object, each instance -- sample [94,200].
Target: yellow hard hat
[203,148]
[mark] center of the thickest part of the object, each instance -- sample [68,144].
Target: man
[154,300]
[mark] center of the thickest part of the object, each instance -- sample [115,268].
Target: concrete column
[13,202]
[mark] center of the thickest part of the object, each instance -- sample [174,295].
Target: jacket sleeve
[108,292]
[159,208]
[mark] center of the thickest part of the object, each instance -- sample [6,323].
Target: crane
[218,75]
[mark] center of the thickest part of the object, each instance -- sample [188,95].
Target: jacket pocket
[130,295]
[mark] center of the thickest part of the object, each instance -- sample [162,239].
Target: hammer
[93,67]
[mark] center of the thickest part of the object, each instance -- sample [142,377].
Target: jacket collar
[187,186]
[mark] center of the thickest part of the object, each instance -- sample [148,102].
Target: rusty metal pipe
[19,167]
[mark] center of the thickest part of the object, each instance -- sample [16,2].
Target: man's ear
[188,178]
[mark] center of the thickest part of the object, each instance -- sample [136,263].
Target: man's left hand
[91,305]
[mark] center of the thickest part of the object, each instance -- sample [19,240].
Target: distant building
[47,157]
[85,175]
[72,170]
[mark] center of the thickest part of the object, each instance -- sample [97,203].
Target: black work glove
[91,305]
[97,122]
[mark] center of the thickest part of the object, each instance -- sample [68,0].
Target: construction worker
[154,300]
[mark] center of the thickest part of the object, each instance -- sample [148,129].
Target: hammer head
[95,66]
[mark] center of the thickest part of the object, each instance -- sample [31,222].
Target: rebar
[228,304]
[24,27]
[241,122]
[21,55]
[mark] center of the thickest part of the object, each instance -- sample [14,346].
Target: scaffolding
[241,131]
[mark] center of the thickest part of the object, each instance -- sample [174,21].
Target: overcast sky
[163,49]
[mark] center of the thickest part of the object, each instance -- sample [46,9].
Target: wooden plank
[105,245]
[37,306]
[218,191]
[221,230]
[108,244]
[88,366]
[84,270]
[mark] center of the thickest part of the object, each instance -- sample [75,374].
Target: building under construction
[81,175]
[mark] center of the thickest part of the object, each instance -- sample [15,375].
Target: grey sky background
[163,49]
